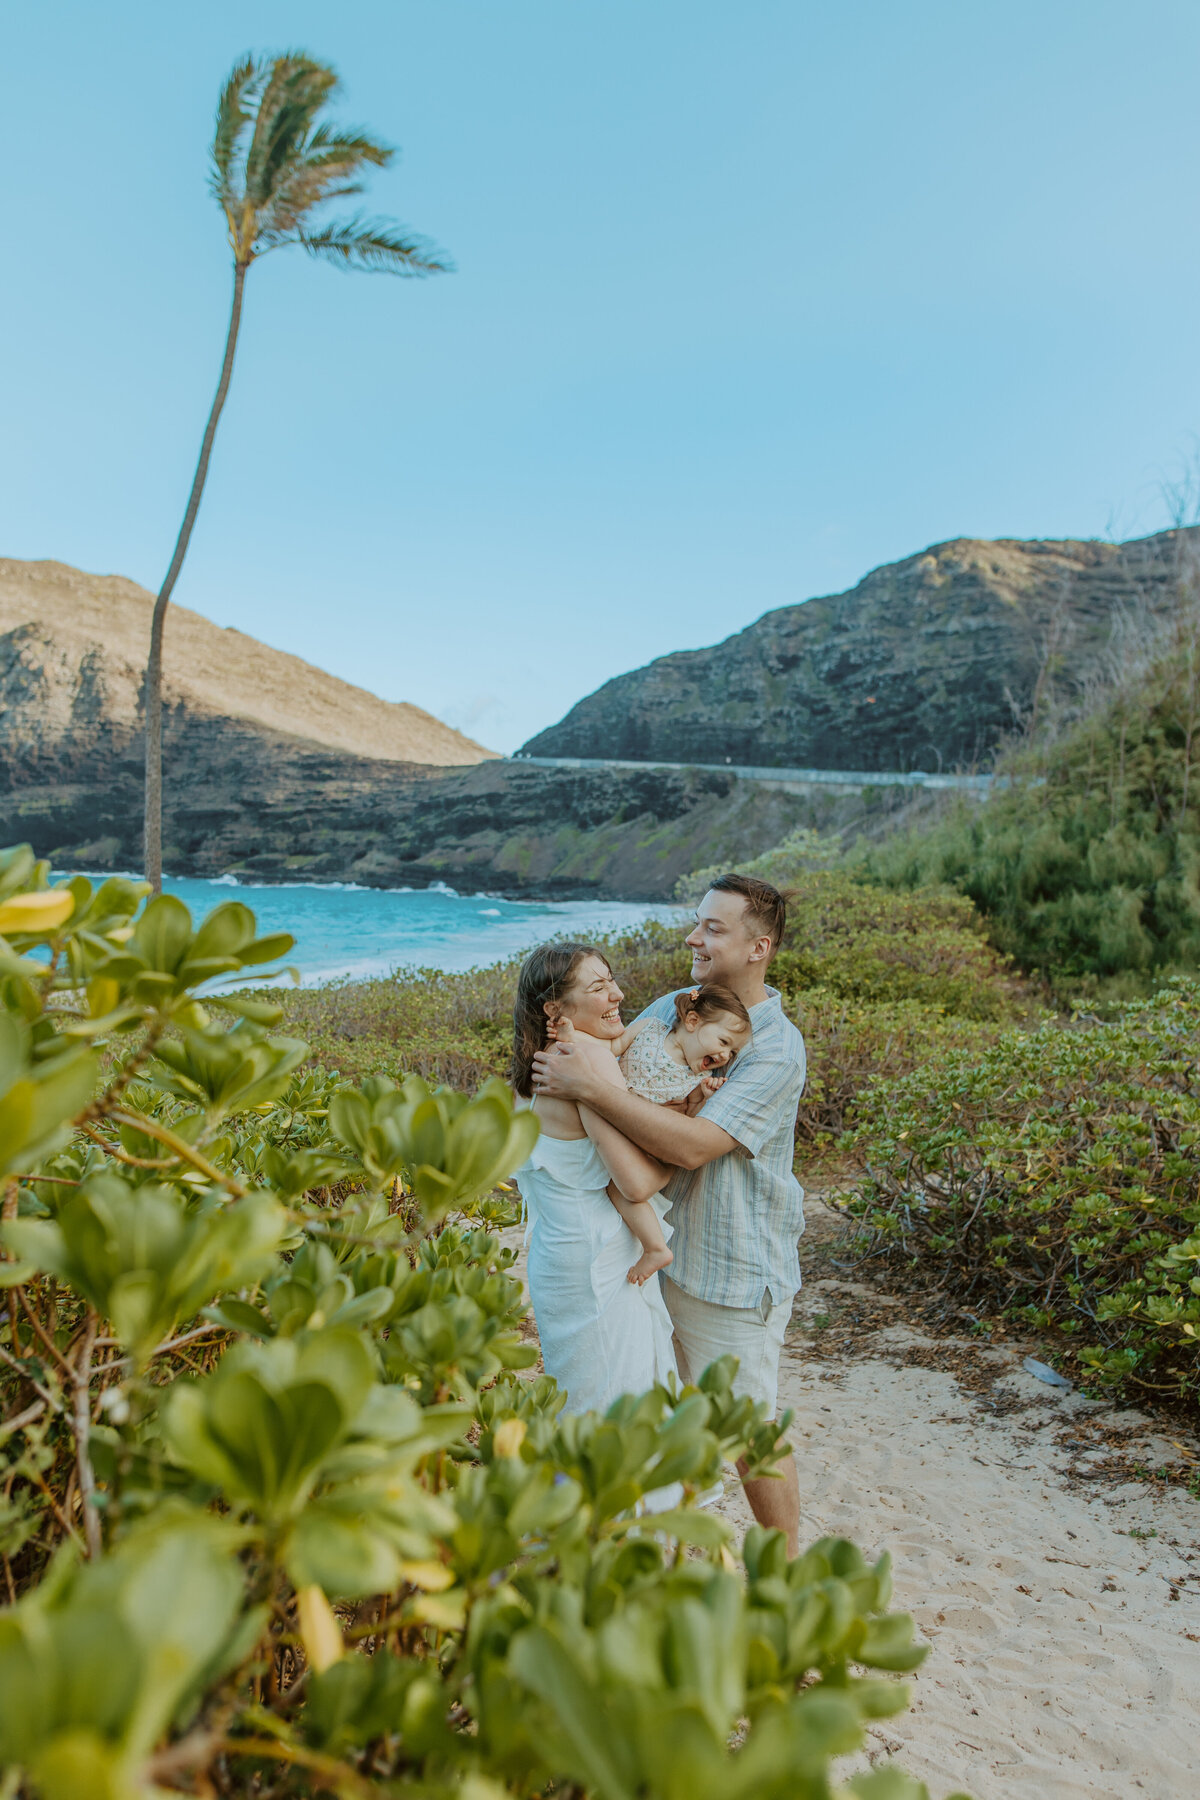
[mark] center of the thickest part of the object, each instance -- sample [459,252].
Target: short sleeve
[756,1101]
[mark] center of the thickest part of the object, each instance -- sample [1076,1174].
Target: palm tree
[273,166]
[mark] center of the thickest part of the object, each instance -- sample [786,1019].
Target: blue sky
[749,300]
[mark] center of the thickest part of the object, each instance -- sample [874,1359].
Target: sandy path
[1065,1656]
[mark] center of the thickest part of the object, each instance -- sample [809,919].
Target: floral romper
[651,1071]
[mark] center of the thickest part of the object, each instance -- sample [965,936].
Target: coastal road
[847,778]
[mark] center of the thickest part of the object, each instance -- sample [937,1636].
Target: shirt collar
[761,1007]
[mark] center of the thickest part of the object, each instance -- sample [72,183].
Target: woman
[600,1335]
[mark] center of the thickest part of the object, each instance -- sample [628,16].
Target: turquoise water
[342,930]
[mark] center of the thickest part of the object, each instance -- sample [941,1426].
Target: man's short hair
[766,907]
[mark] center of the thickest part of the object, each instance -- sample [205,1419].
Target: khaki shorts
[704,1331]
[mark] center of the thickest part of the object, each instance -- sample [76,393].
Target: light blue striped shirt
[738,1220]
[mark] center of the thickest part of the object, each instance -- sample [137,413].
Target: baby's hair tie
[695,994]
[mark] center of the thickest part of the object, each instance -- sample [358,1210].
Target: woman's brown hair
[709,1001]
[546,975]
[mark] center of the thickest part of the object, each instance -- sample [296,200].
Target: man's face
[721,943]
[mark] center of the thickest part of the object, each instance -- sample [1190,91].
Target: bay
[346,931]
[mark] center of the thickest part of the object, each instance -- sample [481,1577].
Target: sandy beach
[1061,1597]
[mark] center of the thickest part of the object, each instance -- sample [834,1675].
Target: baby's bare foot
[648,1264]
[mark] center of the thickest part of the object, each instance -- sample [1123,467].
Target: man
[737,1209]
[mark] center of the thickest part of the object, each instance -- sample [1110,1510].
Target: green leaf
[261,1012]
[238,1316]
[546,1664]
[163,934]
[706,1529]
[267,949]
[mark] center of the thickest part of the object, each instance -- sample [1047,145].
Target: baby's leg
[646,1227]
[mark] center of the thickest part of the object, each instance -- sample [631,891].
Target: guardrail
[856,778]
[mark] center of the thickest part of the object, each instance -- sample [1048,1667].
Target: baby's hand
[710,1083]
[560,1031]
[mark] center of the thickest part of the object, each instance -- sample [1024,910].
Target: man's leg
[703,1332]
[775,1500]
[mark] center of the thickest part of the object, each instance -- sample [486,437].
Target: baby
[665,1063]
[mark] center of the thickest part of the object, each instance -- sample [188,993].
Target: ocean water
[342,930]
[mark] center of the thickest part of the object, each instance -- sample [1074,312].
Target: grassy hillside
[1087,865]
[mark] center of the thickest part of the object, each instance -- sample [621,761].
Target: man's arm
[672,1137]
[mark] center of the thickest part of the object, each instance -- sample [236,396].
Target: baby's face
[712,1043]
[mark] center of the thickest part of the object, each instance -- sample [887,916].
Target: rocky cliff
[929,663]
[239,801]
[73,651]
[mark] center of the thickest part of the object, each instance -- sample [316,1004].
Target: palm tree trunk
[152,839]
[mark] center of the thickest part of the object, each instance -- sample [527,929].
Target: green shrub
[1054,1177]
[851,1044]
[869,945]
[786,866]
[278,1514]
[1086,862]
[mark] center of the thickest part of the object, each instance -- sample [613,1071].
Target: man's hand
[565,1073]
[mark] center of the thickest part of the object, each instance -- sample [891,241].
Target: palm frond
[327,169]
[293,94]
[235,109]
[327,142]
[295,199]
[374,245]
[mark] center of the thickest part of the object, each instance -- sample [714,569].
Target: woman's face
[592,1000]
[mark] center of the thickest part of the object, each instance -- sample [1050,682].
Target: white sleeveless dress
[601,1336]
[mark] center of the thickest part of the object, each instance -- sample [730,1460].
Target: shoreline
[348,932]
[563,894]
